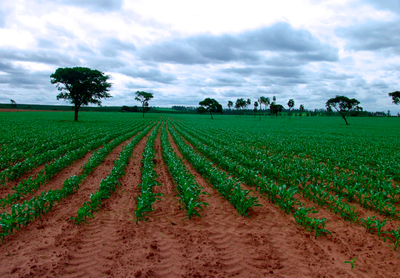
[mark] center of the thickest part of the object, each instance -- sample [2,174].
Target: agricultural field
[118,195]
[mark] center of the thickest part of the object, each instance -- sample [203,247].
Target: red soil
[219,244]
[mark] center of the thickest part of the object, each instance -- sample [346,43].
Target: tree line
[82,86]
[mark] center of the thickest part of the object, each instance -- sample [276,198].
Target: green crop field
[308,167]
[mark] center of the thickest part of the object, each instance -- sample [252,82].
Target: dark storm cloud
[151,75]
[94,5]
[372,36]
[111,47]
[17,77]
[245,47]
[41,56]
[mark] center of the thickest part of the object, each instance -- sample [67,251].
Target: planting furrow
[22,214]
[52,230]
[188,190]
[228,187]
[316,193]
[147,197]
[111,182]
[30,185]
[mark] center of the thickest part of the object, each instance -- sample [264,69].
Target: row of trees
[81,86]
[273,106]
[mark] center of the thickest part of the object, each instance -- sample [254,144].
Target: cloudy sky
[185,51]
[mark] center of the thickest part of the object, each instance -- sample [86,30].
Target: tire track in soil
[325,255]
[38,248]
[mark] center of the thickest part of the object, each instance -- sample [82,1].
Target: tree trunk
[143,109]
[76,113]
[344,118]
[211,115]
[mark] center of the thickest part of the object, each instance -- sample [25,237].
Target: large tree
[211,105]
[144,98]
[395,97]
[81,86]
[343,105]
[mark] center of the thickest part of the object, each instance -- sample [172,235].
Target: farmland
[179,195]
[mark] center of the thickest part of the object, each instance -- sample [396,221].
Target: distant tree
[275,108]
[343,105]
[266,101]
[301,108]
[273,98]
[290,104]
[240,104]
[125,108]
[201,110]
[81,86]
[144,98]
[389,114]
[211,105]
[230,104]
[248,102]
[260,103]
[395,97]
[13,103]
[328,110]
[255,108]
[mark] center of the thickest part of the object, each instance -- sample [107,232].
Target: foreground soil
[219,244]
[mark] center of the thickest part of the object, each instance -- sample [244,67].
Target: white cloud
[184,51]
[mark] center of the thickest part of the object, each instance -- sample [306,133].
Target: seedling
[396,237]
[351,262]
[368,223]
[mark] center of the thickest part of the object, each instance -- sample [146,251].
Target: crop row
[221,181]
[22,214]
[18,169]
[110,183]
[188,190]
[147,197]
[28,186]
[319,192]
[372,193]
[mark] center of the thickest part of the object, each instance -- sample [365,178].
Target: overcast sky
[185,51]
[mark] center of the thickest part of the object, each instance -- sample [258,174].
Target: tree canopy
[275,108]
[290,105]
[81,86]
[240,103]
[343,105]
[144,98]
[211,105]
[395,97]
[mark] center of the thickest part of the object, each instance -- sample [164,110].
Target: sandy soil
[219,244]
